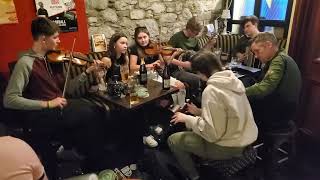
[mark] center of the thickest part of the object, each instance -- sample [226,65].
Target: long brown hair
[112,51]
[137,31]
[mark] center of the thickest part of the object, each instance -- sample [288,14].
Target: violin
[156,49]
[59,56]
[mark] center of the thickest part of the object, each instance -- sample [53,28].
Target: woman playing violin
[137,51]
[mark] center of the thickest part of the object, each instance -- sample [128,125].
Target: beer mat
[141,91]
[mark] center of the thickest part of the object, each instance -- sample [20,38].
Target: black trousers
[272,113]
[80,124]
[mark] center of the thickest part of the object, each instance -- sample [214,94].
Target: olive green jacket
[281,76]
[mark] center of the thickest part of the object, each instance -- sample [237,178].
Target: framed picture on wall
[99,42]
[62,12]
[8,13]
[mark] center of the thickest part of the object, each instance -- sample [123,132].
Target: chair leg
[293,146]
[256,147]
[269,162]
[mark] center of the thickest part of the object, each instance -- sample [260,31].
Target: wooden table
[155,92]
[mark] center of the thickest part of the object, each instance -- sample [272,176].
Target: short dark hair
[253,19]
[206,62]
[43,26]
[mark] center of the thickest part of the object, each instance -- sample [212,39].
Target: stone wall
[167,16]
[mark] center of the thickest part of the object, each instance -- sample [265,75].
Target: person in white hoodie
[223,127]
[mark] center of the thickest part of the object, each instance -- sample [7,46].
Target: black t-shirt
[148,59]
[115,68]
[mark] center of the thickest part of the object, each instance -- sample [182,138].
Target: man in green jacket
[275,96]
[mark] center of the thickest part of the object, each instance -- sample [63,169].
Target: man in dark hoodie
[35,89]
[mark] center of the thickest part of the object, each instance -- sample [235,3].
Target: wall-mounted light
[225,15]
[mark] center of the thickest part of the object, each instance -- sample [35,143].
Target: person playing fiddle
[35,89]
[137,50]
[142,48]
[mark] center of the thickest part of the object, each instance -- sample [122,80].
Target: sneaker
[126,171]
[150,141]
[158,130]
[136,174]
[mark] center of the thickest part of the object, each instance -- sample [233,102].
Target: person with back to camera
[35,89]
[18,160]
[223,127]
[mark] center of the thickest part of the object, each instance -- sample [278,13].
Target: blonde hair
[266,36]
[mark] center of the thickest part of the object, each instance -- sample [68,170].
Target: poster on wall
[62,12]
[99,42]
[8,13]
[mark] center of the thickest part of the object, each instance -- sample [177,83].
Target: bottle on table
[166,77]
[143,72]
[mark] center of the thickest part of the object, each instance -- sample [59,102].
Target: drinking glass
[217,52]
[152,74]
[101,74]
[235,61]
[133,96]
[124,71]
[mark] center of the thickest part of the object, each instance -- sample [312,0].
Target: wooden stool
[230,167]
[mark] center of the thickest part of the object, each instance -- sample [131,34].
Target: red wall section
[17,37]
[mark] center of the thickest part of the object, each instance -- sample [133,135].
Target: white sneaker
[150,141]
[126,171]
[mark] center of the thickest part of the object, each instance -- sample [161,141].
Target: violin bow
[160,46]
[68,70]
